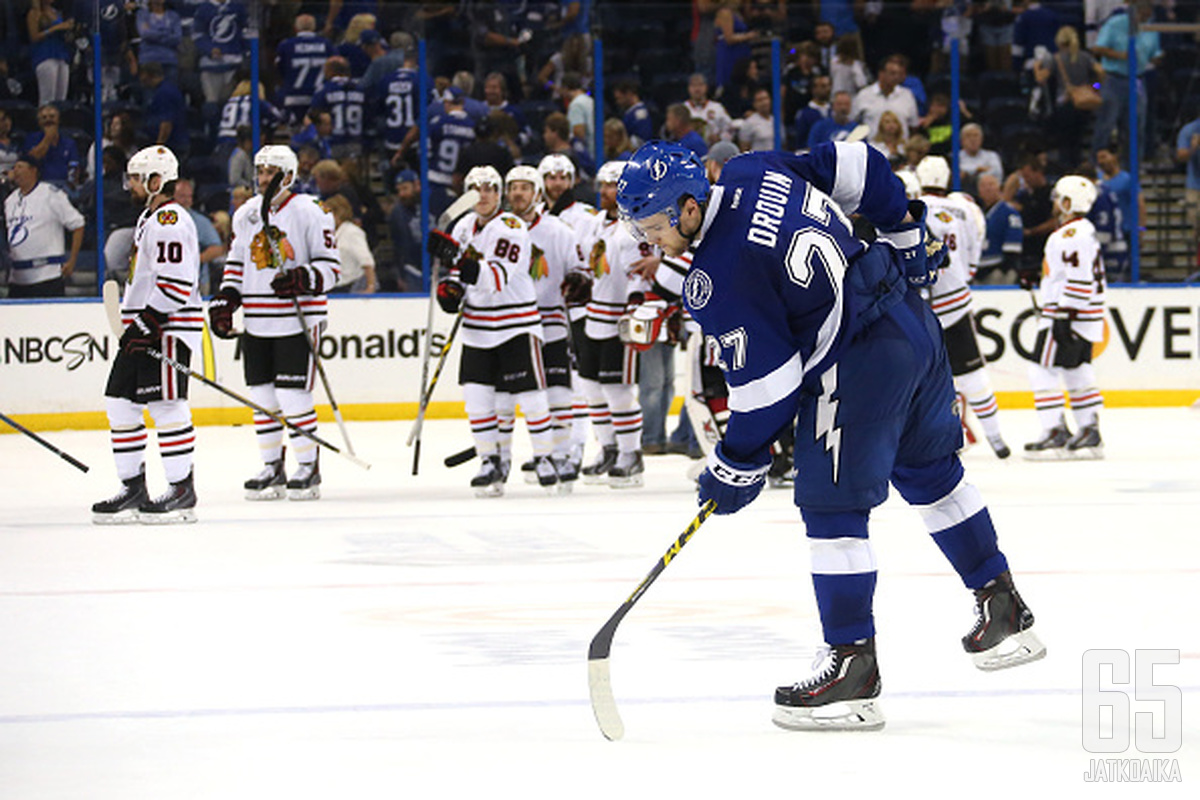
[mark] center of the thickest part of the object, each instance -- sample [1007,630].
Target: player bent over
[1071,318]
[274,265]
[818,327]
[161,312]
[489,252]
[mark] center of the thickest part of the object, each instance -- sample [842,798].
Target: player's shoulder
[247,213]
[510,221]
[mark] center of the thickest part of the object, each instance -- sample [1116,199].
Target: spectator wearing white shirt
[36,215]
[886,94]
[358,263]
[581,111]
[757,131]
[974,161]
[718,125]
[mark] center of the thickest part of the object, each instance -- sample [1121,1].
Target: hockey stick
[112,308]
[604,705]
[461,457]
[414,436]
[77,464]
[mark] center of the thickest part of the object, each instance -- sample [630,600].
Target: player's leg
[971,378]
[619,381]
[506,420]
[556,359]
[477,371]
[176,441]
[1086,404]
[524,376]
[127,433]
[1048,400]
[589,351]
[258,368]
[295,375]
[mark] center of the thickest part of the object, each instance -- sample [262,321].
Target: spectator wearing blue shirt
[634,112]
[838,126]
[1000,259]
[1112,178]
[350,48]
[817,109]
[404,226]
[1112,45]
[342,97]
[1187,151]
[301,63]
[679,129]
[49,51]
[164,121]
[56,153]
[495,98]
[219,25]
[1035,28]
[161,31]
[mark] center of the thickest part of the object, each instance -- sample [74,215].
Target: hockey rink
[401,638]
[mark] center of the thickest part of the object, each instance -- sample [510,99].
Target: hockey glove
[449,295]
[442,247]
[731,484]
[144,332]
[1060,329]
[297,281]
[576,288]
[1027,278]
[920,256]
[220,312]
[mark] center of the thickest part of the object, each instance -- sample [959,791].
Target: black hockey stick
[461,457]
[604,705]
[414,436]
[77,464]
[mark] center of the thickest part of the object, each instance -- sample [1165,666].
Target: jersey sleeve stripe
[850,177]
[769,389]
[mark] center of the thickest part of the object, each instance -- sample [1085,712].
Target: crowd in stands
[1043,92]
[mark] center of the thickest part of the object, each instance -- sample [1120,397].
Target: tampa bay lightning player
[817,326]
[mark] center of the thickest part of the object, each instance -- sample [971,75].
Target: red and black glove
[442,247]
[297,281]
[144,332]
[450,294]
[220,312]
[576,288]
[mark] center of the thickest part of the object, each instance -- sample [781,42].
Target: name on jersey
[462,131]
[769,208]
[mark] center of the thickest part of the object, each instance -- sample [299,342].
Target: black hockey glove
[468,270]
[297,281]
[144,332]
[442,246]
[576,288]
[1027,278]
[1060,329]
[450,294]
[732,484]
[921,255]
[220,312]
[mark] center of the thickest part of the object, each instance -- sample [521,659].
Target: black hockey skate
[305,483]
[597,471]
[269,484]
[628,471]
[1086,444]
[122,508]
[568,472]
[489,481]
[999,447]
[1050,447]
[1002,636]
[841,696]
[177,504]
[545,474]
[529,471]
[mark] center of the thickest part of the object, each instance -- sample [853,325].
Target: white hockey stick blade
[604,705]
[112,307]
[459,207]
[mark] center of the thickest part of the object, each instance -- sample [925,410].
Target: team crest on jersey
[511,222]
[944,217]
[1068,233]
[270,249]
[598,260]
[697,289]
[538,267]
[168,216]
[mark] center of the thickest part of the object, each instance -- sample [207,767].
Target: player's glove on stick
[443,247]
[1060,329]
[449,295]
[1027,278]
[576,288]
[297,281]
[732,484]
[144,332]
[220,312]
[921,257]
[468,270]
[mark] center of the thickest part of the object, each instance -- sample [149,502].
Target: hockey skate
[177,504]
[305,484]
[568,473]
[529,472]
[597,471]
[1086,444]
[841,696]
[999,447]
[628,471]
[489,481]
[122,508]
[268,484]
[1050,447]
[546,474]
[1002,636]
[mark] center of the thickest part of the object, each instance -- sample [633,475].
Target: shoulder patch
[1068,233]
[697,289]
[511,222]
[944,216]
[168,216]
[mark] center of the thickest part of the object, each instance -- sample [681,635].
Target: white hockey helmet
[556,164]
[610,172]
[281,156]
[154,160]
[525,173]
[1074,194]
[933,173]
[912,187]
[484,176]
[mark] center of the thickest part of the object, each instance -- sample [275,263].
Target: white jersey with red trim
[502,303]
[613,253]
[164,272]
[584,220]
[950,221]
[556,252]
[308,240]
[1073,279]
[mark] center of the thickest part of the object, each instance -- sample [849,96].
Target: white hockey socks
[1048,397]
[506,420]
[976,387]
[176,437]
[297,408]
[127,433]
[480,404]
[626,415]
[598,412]
[536,408]
[267,431]
[562,418]
[1086,400]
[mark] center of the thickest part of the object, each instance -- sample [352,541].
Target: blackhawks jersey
[304,238]
[612,253]
[1073,280]
[164,272]
[555,253]
[949,220]
[502,304]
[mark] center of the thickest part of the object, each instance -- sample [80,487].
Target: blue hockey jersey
[780,283]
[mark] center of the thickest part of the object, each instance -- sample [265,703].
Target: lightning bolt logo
[827,419]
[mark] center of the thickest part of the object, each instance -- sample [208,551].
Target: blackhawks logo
[168,217]
[598,261]
[270,249]
[538,267]
[944,217]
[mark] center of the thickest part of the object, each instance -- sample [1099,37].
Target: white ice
[401,638]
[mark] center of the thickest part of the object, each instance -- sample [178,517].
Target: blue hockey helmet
[657,177]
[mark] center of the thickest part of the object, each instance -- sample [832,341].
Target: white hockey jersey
[164,272]
[35,224]
[613,252]
[556,252]
[308,240]
[1073,279]
[502,303]
[584,221]
[950,221]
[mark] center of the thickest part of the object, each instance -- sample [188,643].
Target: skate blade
[267,494]
[1020,648]
[530,477]
[127,517]
[1085,454]
[311,493]
[564,487]
[492,490]
[1052,454]
[180,516]
[847,715]
[629,482]
[596,480]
